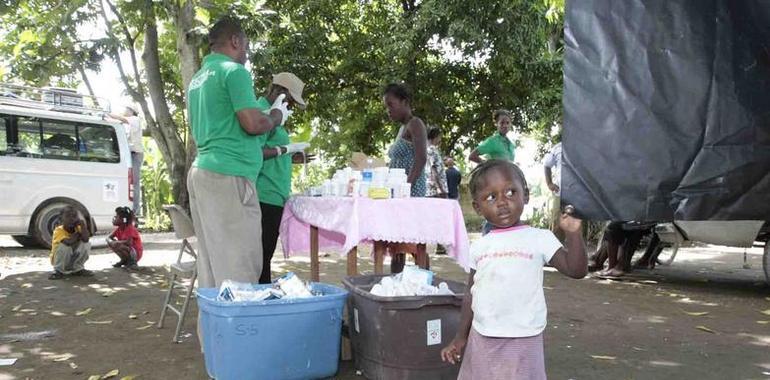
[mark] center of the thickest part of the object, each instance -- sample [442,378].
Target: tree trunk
[166,133]
[87,82]
[187,45]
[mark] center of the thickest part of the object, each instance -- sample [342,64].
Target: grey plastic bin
[402,337]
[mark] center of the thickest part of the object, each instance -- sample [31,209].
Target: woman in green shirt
[497,146]
[274,180]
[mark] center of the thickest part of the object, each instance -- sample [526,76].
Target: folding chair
[183,229]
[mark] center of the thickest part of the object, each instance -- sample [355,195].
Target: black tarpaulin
[667,109]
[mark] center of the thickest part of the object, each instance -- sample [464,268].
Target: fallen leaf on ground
[73,366]
[16,308]
[132,316]
[706,329]
[602,357]
[763,322]
[83,312]
[648,282]
[638,349]
[130,377]
[98,322]
[144,327]
[57,314]
[94,377]
[767,298]
[695,313]
[111,374]
[765,312]
[63,357]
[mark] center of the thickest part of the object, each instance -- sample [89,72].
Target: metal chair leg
[184,307]
[168,299]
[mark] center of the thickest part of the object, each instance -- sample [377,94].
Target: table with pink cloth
[343,223]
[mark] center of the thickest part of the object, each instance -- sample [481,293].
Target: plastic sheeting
[667,109]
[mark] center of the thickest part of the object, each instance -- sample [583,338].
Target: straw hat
[293,84]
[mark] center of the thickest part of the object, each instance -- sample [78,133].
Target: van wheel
[26,241]
[46,220]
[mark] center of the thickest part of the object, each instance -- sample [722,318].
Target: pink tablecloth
[343,223]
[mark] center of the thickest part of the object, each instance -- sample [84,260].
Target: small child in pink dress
[504,311]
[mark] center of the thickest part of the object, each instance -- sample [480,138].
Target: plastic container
[402,337]
[275,339]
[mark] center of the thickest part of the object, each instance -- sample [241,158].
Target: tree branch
[85,79]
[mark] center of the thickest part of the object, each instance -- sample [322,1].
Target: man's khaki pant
[228,224]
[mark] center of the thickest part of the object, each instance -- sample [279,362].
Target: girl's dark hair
[434,132]
[398,90]
[479,173]
[125,213]
[500,113]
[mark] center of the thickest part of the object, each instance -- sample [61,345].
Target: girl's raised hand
[569,223]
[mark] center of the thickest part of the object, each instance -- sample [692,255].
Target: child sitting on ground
[70,246]
[125,240]
[504,311]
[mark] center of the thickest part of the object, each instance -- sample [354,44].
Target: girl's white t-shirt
[508,299]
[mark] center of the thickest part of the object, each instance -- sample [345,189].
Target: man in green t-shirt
[274,181]
[229,131]
[497,146]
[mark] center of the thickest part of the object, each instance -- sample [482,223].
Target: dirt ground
[700,318]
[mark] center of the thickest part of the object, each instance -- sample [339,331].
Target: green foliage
[41,43]
[156,189]
[305,178]
[462,59]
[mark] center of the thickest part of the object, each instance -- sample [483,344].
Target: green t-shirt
[217,91]
[274,181]
[497,147]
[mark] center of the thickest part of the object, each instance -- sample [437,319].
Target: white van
[55,155]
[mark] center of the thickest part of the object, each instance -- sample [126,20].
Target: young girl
[504,313]
[125,240]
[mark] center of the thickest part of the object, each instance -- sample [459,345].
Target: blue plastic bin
[275,339]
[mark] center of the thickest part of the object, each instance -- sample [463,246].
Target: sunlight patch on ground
[757,340]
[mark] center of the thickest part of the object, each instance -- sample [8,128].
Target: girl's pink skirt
[503,358]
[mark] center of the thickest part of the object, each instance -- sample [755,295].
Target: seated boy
[70,246]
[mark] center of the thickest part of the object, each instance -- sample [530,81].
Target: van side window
[5,126]
[98,143]
[30,135]
[59,140]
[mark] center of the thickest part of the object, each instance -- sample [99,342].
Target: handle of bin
[416,302]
